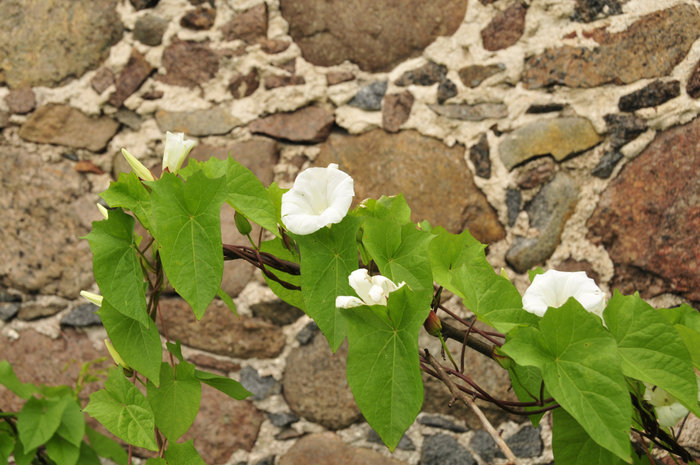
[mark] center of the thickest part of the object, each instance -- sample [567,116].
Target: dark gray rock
[607,164]
[143,4]
[446,90]
[81,316]
[426,75]
[483,444]
[260,386]
[479,154]
[439,422]
[8,310]
[282,419]
[307,333]
[9,297]
[370,96]
[590,10]
[513,200]
[149,29]
[404,444]
[526,443]
[623,128]
[441,449]
[651,95]
[269,460]
[277,312]
[536,109]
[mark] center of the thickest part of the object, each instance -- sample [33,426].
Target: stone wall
[564,133]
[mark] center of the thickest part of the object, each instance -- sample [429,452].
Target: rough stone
[479,154]
[483,444]
[473,75]
[188,64]
[282,419]
[86,166]
[212,121]
[152,94]
[28,357]
[329,449]
[426,75]
[307,333]
[277,312]
[505,28]
[475,112]
[102,79]
[377,35]
[82,316]
[8,310]
[336,77]
[199,19]
[128,118]
[149,29]
[607,164]
[38,197]
[623,128]
[370,96]
[209,362]
[405,442]
[590,10]
[548,212]
[310,124]
[513,201]
[693,85]
[130,79]
[73,37]
[441,449]
[223,426]
[540,108]
[259,386]
[269,460]
[396,111]
[446,90]
[434,178]
[143,4]
[526,443]
[275,81]
[535,172]
[274,46]
[243,85]
[650,95]
[248,26]
[648,218]
[4,119]
[289,433]
[559,137]
[651,47]
[439,422]
[220,331]
[578,265]
[315,386]
[64,125]
[21,101]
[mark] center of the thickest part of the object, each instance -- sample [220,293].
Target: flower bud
[103,211]
[432,324]
[242,224]
[115,355]
[92,297]
[140,170]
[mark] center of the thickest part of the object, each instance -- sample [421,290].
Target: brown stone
[473,75]
[21,101]
[273,46]
[426,75]
[210,363]
[315,386]
[434,178]
[189,64]
[248,26]
[648,217]
[199,19]
[4,119]
[277,312]
[210,121]
[243,85]
[446,90]
[289,66]
[34,310]
[130,79]
[535,172]
[474,112]
[274,81]
[693,85]
[396,110]
[329,449]
[220,331]
[86,166]
[579,265]
[336,77]
[152,94]
[479,154]
[102,79]
[651,47]
[44,216]
[73,37]
[505,28]
[310,124]
[65,125]
[377,35]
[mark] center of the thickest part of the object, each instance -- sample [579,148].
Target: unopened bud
[138,167]
[115,355]
[103,210]
[92,297]
[433,325]
[242,224]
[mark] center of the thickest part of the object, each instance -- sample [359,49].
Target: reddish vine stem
[260,260]
[486,335]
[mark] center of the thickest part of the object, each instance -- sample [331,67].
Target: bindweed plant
[615,374]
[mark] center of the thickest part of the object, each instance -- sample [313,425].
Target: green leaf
[175,348]
[124,411]
[38,421]
[7,443]
[156,461]
[686,320]
[581,369]
[187,227]
[87,455]
[225,298]
[183,454]
[328,256]
[650,349]
[393,208]
[532,273]
[383,369]
[128,192]
[275,192]
[176,402]
[116,266]
[138,345]
[106,447]
[292,297]
[228,386]
[72,427]
[61,451]
[10,381]
[401,253]
[526,382]
[22,457]
[450,251]
[571,444]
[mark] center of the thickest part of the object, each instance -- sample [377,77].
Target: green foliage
[183,454]
[10,381]
[106,447]
[38,421]
[228,386]
[130,194]
[175,402]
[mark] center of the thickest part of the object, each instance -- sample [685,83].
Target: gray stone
[479,154]
[513,200]
[539,108]
[446,90]
[590,10]
[212,121]
[441,449]
[426,75]
[282,419]
[548,211]
[73,37]
[8,310]
[277,312]
[559,137]
[623,128]
[269,460]
[259,386]
[651,95]
[81,316]
[483,444]
[149,29]
[405,442]
[439,422]
[526,443]
[307,333]
[370,96]
[607,164]
[21,101]
[476,112]
[289,433]
[128,118]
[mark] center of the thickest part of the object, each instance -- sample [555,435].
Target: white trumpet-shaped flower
[138,167]
[176,150]
[319,197]
[553,288]
[372,290]
[668,410]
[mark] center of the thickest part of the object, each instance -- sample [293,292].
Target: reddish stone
[505,28]
[102,79]
[131,78]
[310,124]
[21,101]
[693,85]
[396,110]
[199,19]
[336,77]
[189,64]
[578,265]
[648,218]
[86,166]
[248,26]
[275,81]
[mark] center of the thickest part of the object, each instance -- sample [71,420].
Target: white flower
[92,297]
[373,290]
[176,150]
[140,170]
[553,288]
[319,197]
[668,410]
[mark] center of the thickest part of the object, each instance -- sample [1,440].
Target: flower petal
[553,288]
[176,150]
[348,301]
[669,415]
[361,283]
